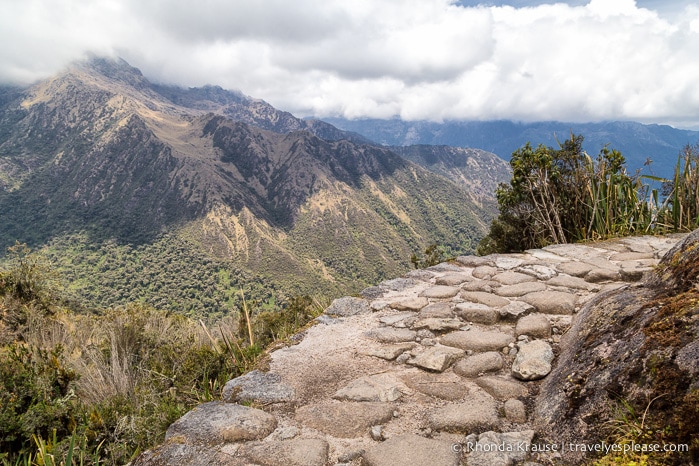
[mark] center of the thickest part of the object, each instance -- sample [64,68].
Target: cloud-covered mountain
[98,158]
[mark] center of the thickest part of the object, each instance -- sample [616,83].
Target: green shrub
[564,195]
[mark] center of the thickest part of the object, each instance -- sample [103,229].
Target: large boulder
[216,422]
[625,357]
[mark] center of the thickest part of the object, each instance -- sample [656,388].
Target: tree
[563,195]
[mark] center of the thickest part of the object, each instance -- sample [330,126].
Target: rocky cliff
[495,360]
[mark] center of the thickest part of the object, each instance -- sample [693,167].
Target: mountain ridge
[99,154]
[636,141]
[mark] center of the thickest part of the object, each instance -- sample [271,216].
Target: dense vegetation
[171,274]
[564,195]
[99,388]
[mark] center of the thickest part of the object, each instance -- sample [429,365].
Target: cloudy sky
[418,59]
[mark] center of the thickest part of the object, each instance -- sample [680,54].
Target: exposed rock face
[419,373]
[629,347]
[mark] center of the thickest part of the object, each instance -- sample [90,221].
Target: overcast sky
[418,59]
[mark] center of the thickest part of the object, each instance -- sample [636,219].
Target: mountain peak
[117,69]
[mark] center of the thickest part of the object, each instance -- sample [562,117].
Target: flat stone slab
[438,325]
[391,335]
[474,415]
[217,422]
[478,364]
[574,268]
[389,352]
[453,279]
[446,386]
[477,340]
[533,361]
[513,278]
[378,387]
[475,261]
[296,452]
[515,310]
[413,450]
[401,284]
[440,292]
[633,274]
[507,262]
[515,411]
[632,256]
[603,275]
[484,272]
[520,289]
[437,358]
[576,283]
[444,267]
[480,285]
[477,313]
[500,449]
[436,310]
[419,274]
[183,454]
[540,272]
[372,292]
[502,388]
[409,304]
[534,325]
[551,302]
[393,319]
[348,306]
[344,419]
[257,386]
[485,298]
[546,256]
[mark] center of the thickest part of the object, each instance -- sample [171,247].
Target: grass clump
[99,388]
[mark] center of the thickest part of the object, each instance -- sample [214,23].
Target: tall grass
[619,205]
[614,202]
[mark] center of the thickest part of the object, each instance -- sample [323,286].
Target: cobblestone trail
[417,369]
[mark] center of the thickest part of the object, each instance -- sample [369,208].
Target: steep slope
[98,156]
[478,170]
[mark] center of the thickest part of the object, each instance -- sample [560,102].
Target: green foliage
[99,388]
[434,254]
[28,277]
[563,195]
[35,394]
[171,273]
[282,323]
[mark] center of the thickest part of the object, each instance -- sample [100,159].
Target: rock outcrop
[632,354]
[474,362]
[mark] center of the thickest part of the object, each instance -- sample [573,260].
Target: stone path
[418,370]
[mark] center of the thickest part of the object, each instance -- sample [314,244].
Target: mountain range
[639,143]
[184,197]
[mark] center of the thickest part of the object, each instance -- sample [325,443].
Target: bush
[564,195]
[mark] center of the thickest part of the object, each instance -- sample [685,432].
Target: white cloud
[420,59]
